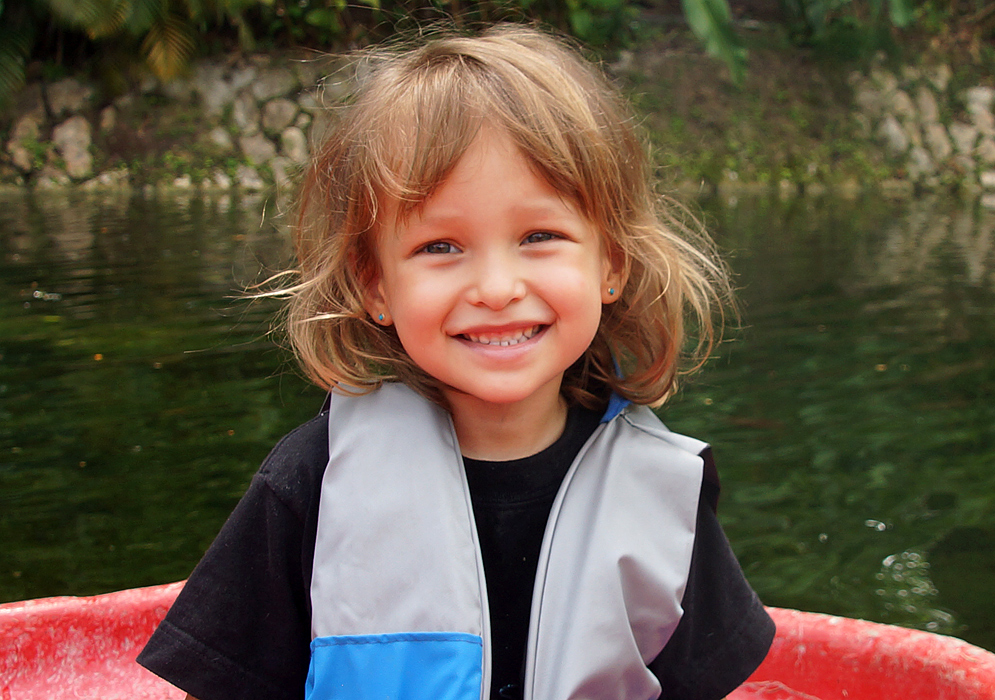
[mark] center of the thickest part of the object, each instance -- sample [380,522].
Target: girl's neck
[502,432]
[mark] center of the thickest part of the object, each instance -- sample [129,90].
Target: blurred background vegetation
[114,39]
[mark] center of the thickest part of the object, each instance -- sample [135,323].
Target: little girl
[486,507]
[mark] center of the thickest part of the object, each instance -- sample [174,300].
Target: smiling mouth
[503,339]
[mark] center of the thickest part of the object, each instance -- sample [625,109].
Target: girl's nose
[498,282]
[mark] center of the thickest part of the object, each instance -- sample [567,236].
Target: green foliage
[711,22]
[167,33]
[846,28]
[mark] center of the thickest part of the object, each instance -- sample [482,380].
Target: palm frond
[111,23]
[168,46]
[145,13]
[15,46]
[83,14]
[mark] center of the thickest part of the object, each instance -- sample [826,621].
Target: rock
[903,107]
[310,71]
[987,179]
[245,114]
[920,164]
[786,189]
[979,106]
[257,148]
[308,101]
[940,77]
[910,74]
[72,139]
[293,144]
[985,151]
[242,76]
[68,96]
[278,114]
[149,84]
[965,165]
[179,89]
[273,82]
[281,168]
[815,189]
[869,100]
[884,80]
[303,121]
[988,201]
[980,97]
[938,141]
[108,119]
[893,135]
[964,137]
[220,137]
[112,179]
[183,182]
[24,142]
[336,87]
[215,92]
[50,178]
[248,178]
[929,111]
[220,180]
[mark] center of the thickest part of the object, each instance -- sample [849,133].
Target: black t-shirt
[241,626]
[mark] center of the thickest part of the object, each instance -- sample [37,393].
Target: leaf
[323,18]
[11,72]
[375,4]
[581,22]
[711,21]
[111,23]
[900,12]
[145,13]
[83,14]
[168,46]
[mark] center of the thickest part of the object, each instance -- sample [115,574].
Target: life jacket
[398,596]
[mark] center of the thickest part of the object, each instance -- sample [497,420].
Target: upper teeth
[505,339]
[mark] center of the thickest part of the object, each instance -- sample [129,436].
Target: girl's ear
[615,273]
[374,300]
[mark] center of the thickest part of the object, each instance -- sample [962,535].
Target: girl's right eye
[439,248]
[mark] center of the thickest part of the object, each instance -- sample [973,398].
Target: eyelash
[547,236]
[433,247]
[436,244]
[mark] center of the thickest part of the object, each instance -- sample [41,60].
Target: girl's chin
[504,397]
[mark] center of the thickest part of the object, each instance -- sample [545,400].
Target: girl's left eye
[439,248]
[540,236]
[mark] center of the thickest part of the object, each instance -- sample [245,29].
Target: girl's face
[495,284]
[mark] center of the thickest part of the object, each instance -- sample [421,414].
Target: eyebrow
[551,208]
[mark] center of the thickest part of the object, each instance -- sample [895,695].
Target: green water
[851,413]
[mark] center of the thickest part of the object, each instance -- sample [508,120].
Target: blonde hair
[414,113]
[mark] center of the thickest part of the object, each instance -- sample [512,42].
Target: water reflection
[851,415]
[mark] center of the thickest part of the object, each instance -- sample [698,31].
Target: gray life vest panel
[398,594]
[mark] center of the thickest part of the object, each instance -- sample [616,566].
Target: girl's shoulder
[294,467]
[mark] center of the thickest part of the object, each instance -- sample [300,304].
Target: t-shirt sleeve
[725,631]
[240,627]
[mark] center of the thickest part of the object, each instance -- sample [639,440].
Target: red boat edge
[85,648]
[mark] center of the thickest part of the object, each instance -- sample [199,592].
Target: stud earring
[611,291]
[380,317]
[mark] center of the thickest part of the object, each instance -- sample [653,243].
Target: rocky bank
[249,122]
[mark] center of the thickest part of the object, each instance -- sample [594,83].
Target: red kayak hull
[85,649]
